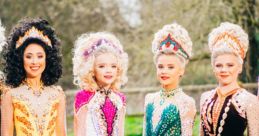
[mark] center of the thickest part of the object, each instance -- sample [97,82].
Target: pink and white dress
[98,114]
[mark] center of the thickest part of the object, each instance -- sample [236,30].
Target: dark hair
[13,58]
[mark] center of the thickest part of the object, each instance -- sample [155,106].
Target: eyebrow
[36,53]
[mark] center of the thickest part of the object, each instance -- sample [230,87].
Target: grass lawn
[133,126]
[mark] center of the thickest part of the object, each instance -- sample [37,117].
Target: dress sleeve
[187,119]
[122,121]
[252,113]
[61,118]
[202,101]
[7,123]
[147,100]
[82,98]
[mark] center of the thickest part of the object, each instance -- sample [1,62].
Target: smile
[164,77]
[108,77]
[35,68]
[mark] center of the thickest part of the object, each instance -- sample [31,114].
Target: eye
[114,66]
[218,65]
[171,67]
[40,56]
[28,57]
[230,65]
[160,66]
[101,66]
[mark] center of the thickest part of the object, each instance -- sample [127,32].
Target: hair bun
[229,36]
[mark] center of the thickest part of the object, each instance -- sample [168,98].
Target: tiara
[230,41]
[96,45]
[33,33]
[170,43]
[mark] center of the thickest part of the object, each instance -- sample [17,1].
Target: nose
[224,69]
[34,60]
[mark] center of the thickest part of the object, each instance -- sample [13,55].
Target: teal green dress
[169,124]
[169,114]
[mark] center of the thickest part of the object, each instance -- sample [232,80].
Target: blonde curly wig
[87,49]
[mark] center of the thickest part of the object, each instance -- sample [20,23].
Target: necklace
[36,92]
[104,91]
[167,94]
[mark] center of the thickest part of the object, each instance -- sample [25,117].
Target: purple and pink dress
[99,114]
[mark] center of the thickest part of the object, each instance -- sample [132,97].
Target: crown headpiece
[99,43]
[33,33]
[170,43]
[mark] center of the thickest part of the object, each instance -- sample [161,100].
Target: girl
[34,105]
[228,109]
[100,67]
[170,111]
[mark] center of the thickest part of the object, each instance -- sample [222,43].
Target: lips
[108,76]
[35,68]
[224,76]
[164,77]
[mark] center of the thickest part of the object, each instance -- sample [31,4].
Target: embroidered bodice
[230,115]
[35,115]
[169,114]
[99,114]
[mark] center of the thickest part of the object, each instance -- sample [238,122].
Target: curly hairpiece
[83,66]
[13,58]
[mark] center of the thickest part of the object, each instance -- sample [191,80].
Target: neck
[229,87]
[34,82]
[106,87]
[171,87]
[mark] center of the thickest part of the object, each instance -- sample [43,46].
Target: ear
[181,72]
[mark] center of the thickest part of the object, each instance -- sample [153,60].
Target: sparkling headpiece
[33,33]
[97,44]
[229,36]
[170,43]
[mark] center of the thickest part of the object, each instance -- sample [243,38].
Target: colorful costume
[35,115]
[169,114]
[99,114]
[229,114]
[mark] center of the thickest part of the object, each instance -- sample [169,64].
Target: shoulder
[122,97]
[150,97]
[246,99]
[188,101]
[82,97]
[206,95]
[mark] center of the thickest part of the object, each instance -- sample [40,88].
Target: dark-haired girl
[34,105]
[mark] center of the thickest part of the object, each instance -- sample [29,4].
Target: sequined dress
[229,115]
[33,115]
[97,114]
[169,114]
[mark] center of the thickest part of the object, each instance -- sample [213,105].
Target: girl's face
[105,69]
[34,60]
[169,71]
[226,69]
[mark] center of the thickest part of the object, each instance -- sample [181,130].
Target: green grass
[134,125]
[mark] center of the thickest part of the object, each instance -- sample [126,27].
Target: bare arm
[61,118]
[7,123]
